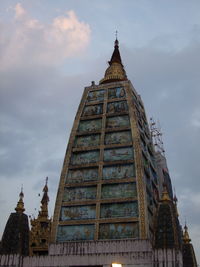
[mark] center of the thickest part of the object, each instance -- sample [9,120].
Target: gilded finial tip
[165,194]
[21,194]
[116,40]
[20,204]
[186,237]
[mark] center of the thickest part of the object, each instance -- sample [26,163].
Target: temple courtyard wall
[129,253]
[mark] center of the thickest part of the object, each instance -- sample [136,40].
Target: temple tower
[189,258]
[108,186]
[15,239]
[115,196]
[41,227]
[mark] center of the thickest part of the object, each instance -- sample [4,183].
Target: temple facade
[109,186]
[115,202]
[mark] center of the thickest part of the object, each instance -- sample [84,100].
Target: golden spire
[20,205]
[115,71]
[41,227]
[44,201]
[165,194]
[186,237]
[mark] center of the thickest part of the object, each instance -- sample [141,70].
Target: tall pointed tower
[41,227]
[108,185]
[15,239]
[189,258]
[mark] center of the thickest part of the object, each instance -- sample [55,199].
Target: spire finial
[20,204]
[186,237]
[175,197]
[46,181]
[116,40]
[44,201]
[115,71]
[165,194]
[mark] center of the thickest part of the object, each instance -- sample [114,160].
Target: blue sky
[50,50]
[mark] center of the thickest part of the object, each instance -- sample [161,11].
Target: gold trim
[61,186]
[138,166]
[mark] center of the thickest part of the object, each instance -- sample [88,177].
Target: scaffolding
[156,136]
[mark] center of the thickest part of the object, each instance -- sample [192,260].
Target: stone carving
[79,193]
[116,210]
[82,175]
[118,138]
[78,213]
[75,232]
[116,92]
[87,140]
[117,121]
[124,190]
[115,107]
[118,230]
[84,157]
[118,171]
[89,125]
[95,96]
[118,154]
[93,110]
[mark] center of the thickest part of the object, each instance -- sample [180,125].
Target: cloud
[40,43]
[195,118]
[77,32]
[19,11]
[35,93]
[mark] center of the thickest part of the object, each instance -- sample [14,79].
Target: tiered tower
[41,227]
[108,187]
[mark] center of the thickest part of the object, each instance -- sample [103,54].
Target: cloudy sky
[50,50]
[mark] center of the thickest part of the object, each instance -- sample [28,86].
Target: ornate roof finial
[165,194]
[45,189]
[115,72]
[20,204]
[175,199]
[116,34]
[116,40]
[44,201]
[186,237]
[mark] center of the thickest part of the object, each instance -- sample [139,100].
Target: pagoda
[109,186]
[41,227]
[115,205]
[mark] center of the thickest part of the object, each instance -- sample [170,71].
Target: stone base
[130,253]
